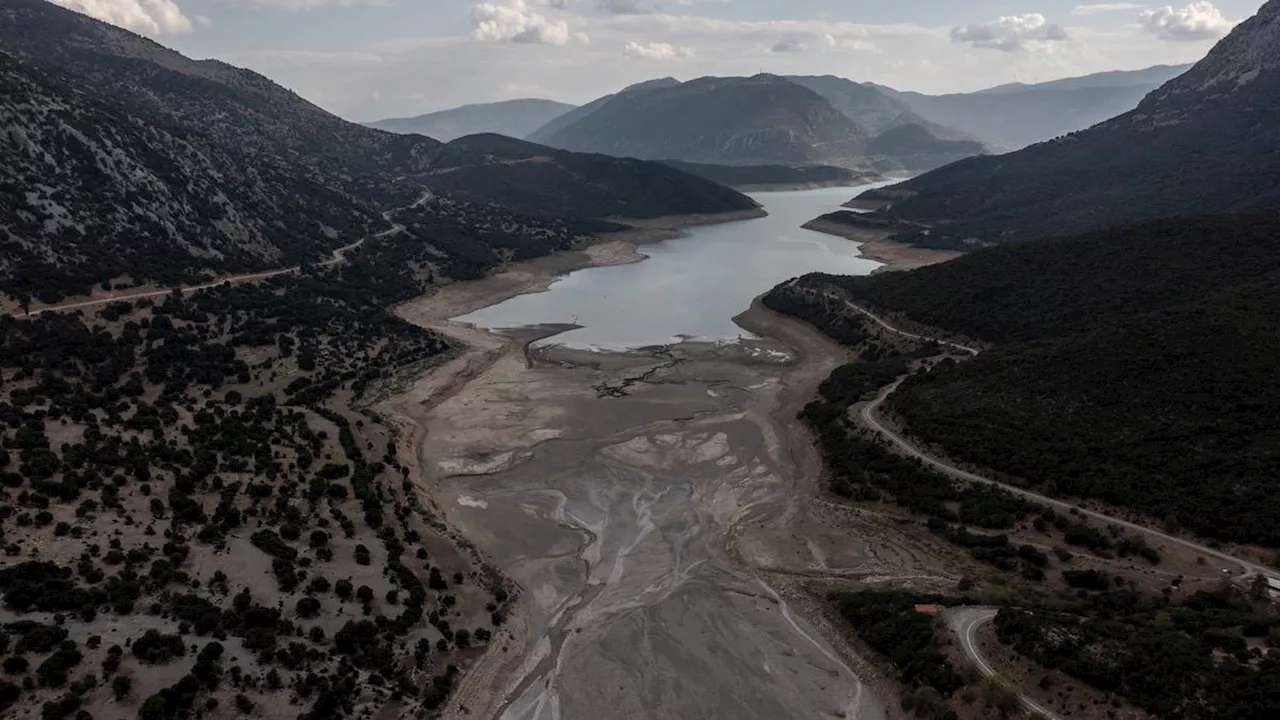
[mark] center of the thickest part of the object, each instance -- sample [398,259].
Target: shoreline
[479,350]
[802,186]
[538,274]
[876,245]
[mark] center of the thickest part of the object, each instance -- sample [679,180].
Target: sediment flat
[875,245]
[631,496]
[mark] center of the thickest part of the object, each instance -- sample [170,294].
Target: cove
[690,287]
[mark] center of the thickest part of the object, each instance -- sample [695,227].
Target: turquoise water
[689,287]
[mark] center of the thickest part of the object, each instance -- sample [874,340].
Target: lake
[692,286]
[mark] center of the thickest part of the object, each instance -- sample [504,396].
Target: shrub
[154,647]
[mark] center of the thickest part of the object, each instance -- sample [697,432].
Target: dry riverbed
[653,506]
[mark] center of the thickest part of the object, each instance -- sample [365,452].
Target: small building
[1273,589]
[928,609]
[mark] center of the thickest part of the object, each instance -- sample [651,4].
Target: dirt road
[872,420]
[336,256]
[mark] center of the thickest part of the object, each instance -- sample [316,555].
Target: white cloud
[519,21]
[656,51]
[620,7]
[793,45]
[420,73]
[1197,21]
[297,5]
[148,17]
[1009,33]
[278,59]
[1099,8]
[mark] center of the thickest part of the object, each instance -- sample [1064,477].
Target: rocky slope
[1204,142]
[513,118]
[89,192]
[125,158]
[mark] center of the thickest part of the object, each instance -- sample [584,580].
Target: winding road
[870,418]
[965,623]
[336,256]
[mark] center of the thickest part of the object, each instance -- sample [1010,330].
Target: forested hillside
[124,161]
[1204,142]
[1132,365]
[200,511]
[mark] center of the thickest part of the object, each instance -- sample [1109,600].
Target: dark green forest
[1189,147]
[1209,657]
[178,432]
[1134,365]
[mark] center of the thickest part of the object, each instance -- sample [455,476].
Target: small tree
[343,589]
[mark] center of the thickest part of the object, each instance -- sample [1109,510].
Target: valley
[624,408]
[669,521]
[632,494]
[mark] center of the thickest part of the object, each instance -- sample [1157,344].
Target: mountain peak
[1252,48]
[1202,142]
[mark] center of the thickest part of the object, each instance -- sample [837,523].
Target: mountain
[1204,142]
[1154,76]
[1010,117]
[761,119]
[90,192]
[124,160]
[539,181]
[545,133]
[872,107]
[513,118]
[1135,365]
[917,149]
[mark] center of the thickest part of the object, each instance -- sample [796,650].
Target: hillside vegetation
[124,162]
[1204,142]
[1133,365]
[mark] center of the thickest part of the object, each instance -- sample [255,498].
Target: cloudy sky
[367,59]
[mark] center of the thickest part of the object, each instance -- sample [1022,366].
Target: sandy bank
[875,245]
[867,205]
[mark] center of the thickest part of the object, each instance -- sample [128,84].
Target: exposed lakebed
[652,504]
[691,286]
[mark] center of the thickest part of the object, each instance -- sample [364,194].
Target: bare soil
[649,505]
[875,245]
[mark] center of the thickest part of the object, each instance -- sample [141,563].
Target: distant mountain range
[1207,141]
[513,118]
[1010,117]
[121,158]
[765,119]
[761,119]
